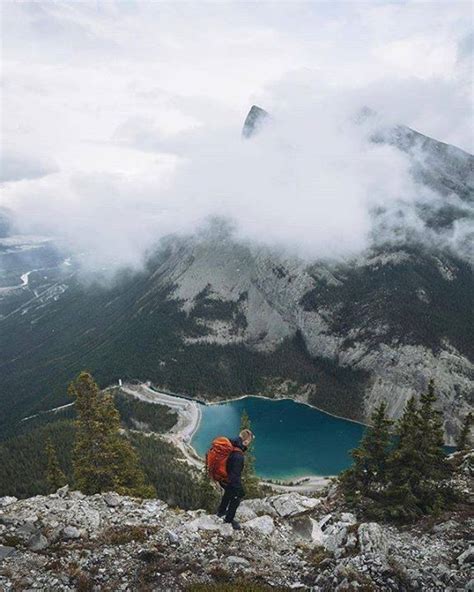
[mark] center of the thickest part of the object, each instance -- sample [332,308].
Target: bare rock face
[398,314]
[343,315]
[144,541]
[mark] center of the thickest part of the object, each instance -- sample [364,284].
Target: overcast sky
[98,96]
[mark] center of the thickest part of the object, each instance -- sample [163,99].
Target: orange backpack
[216,458]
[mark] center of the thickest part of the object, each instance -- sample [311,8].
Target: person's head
[246,437]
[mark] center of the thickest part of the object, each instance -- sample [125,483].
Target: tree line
[403,474]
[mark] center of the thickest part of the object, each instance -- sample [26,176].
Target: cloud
[17,167]
[141,110]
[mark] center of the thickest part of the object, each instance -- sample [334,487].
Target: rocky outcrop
[68,541]
[255,119]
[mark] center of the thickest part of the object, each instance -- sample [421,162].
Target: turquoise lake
[291,439]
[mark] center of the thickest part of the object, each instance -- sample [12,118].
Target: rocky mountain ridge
[68,541]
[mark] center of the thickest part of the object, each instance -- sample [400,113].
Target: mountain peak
[256,117]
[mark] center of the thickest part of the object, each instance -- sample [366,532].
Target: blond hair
[246,435]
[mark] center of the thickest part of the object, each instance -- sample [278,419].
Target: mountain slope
[214,317]
[287,542]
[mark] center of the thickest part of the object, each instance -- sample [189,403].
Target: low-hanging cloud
[137,160]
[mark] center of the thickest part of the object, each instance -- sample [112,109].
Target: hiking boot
[235,525]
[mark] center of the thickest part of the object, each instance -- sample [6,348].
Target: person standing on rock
[225,462]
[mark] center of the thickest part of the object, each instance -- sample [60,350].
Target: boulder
[372,538]
[234,561]
[259,506]
[204,522]
[303,527]
[78,495]
[7,500]
[71,532]
[86,517]
[63,491]
[38,542]
[244,513]
[26,531]
[445,526]
[467,556]
[317,534]
[335,536]
[112,499]
[325,520]
[173,538]
[351,541]
[6,551]
[262,524]
[291,504]
[348,518]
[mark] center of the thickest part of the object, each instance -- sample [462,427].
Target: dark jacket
[235,464]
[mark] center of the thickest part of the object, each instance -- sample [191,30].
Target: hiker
[225,462]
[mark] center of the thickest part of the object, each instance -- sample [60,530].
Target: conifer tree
[465,437]
[432,440]
[401,501]
[250,480]
[418,463]
[103,460]
[368,474]
[54,475]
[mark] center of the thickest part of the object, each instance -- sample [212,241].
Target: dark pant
[230,501]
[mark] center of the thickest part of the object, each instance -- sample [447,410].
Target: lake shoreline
[189,412]
[200,401]
[239,398]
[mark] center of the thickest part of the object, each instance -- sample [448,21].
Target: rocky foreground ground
[69,541]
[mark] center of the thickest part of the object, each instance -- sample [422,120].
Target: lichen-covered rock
[63,491]
[6,551]
[206,522]
[71,532]
[335,536]
[112,499]
[38,542]
[7,500]
[137,545]
[260,507]
[245,513]
[317,534]
[372,538]
[291,504]
[467,556]
[234,561]
[262,524]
